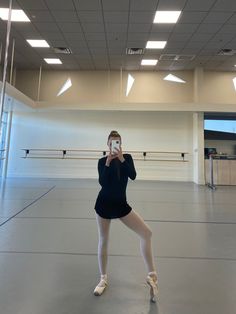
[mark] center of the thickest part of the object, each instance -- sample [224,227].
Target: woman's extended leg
[135,222]
[103,233]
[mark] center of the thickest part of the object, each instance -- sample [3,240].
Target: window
[3,140]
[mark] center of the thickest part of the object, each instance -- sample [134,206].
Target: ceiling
[99,31]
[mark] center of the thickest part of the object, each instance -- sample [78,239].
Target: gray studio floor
[48,249]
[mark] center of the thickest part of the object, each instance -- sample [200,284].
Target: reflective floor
[48,249]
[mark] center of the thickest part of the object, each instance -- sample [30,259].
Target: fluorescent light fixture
[37,43]
[234,81]
[16,15]
[166,16]
[66,86]
[149,62]
[53,61]
[173,78]
[156,44]
[130,83]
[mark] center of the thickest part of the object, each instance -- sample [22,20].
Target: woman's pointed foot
[152,282]
[99,289]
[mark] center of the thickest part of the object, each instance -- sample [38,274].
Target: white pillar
[198,148]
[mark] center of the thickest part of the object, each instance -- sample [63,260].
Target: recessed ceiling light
[234,81]
[166,16]
[53,61]
[173,78]
[16,15]
[130,83]
[38,43]
[149,62]
[156,44]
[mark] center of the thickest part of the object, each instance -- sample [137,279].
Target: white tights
[135,222]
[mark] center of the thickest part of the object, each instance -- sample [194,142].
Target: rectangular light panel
[149,62]
[38,43]
[53,61]
[16,15]
[166,16]
[156,44]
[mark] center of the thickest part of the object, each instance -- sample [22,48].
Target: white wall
[157,131]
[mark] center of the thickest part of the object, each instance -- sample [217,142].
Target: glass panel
[3,140]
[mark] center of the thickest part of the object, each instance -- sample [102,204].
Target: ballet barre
[36,153]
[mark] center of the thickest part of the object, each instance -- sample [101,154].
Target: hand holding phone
[115,145]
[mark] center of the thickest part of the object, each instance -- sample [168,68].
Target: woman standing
[114,171]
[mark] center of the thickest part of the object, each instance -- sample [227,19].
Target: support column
[5,64]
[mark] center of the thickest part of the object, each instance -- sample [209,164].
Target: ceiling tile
[57,43]
[138,36]
[90,17]
[116,35]
[179,37]
[140,5]
[60,4]
[95,36]
[192,17]
[93,27]
[201,37]
[69,27]
[209,28]
[186,28]
[141,17]
[171,5]
[228,28]
[232,20]
[27,30]
[199,5]
[116,27]
[159,36]
[217,17]
[50,27]
[32,5]
[74,37]
[40,16]
[118,17]
[222,5]
[136,44]
[97,43]
[162,28]
[114,5]
[88,5]
[65,16]
[52,35]
[142,28]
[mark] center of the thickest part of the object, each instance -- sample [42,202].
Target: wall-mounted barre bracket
[64,153]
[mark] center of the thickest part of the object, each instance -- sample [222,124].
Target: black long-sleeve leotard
[111,201]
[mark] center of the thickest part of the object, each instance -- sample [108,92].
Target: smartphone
[115,144]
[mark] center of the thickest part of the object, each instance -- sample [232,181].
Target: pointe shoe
[99,289]
[152,282]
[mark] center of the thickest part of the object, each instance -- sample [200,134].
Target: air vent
[168,57]
[134,51]
[227,52]
[63,50]
[172,57]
